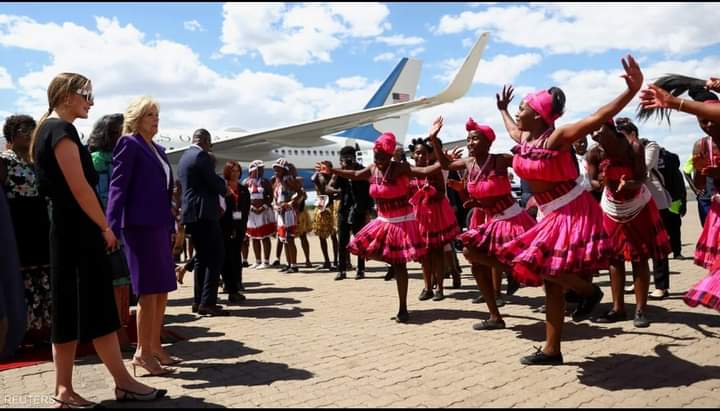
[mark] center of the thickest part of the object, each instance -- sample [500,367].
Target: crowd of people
[94,229]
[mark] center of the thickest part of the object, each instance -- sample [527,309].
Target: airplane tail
[399,87]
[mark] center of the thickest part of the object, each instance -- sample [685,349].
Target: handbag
[118,264]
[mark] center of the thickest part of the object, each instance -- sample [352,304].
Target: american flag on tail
[400,97]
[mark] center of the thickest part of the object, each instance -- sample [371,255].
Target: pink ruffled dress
[496,230]
[436,219]
[706,292]
[569,237]
[642,237]
[393,237]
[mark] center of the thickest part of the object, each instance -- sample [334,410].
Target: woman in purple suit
[139,204]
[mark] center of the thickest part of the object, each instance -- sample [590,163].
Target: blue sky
[218,65]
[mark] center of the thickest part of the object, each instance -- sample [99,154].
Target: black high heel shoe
[126,395]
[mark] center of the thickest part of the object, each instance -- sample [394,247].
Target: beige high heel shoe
[156,371]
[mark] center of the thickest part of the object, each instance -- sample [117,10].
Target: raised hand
[435,128]
[633,75]
[504,99]
[655,97]
[454,154]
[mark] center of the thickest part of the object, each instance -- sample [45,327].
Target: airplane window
[282,151]
[333,153]
[302,152]
[296,152]
[314,152]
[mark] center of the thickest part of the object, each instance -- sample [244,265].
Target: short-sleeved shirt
[51,180]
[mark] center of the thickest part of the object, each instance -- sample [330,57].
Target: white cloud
[193,25]
[500,70]
[596,28]
[297,34]
[353,82]
[400,40]
[5,79]
[467,42]
[385,57]
[588,90]
[414,52]
[190,94]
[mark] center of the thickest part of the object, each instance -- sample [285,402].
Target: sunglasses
[88,94]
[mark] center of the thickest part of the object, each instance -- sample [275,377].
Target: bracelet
[681,104]
[106,229]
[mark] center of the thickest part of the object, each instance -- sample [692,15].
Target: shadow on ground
[183,401]
[247,373]
[629,371]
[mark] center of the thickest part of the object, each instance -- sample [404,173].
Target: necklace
[384,176]
[480,168]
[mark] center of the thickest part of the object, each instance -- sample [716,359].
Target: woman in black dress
[82,291]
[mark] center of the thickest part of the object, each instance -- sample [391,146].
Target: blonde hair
[135,111]
[60,87]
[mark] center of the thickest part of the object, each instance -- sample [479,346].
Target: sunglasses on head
[88,94]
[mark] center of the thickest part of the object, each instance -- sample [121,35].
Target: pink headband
[386,143]
[485,130]
[541,102]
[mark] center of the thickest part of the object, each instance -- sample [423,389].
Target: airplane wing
[310,133]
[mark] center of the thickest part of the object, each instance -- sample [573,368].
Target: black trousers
[232,267]
[672,224]
[344,228]
[210,251]
[661,273]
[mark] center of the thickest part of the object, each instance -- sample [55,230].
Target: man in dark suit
[201,214]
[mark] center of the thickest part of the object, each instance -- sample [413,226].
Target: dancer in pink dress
[393,237]
[630,217]
[436,219]
[489,188]
[569,238]
[707,291]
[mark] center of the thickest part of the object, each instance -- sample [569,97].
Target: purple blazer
[139,194]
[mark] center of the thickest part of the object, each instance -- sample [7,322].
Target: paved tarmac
[304,340]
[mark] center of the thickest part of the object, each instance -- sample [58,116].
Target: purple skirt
[149,257]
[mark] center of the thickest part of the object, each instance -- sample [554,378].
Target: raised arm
[564,136]
[444,162]
[325,168]
[503,100]
[656,97]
